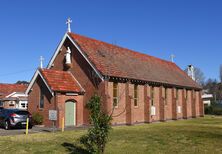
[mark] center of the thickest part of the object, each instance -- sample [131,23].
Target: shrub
[213,109]
[97,136]
[208,109]
[217,110]
[37,118]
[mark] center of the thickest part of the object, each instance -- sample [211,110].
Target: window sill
[116,107]
[41,109]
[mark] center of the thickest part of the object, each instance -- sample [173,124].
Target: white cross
[68,22]
[172,56]
[41,61]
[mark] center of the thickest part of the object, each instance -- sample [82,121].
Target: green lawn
[202,135]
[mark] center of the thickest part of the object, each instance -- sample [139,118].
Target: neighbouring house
[13,96]
[135,87]
[207,98]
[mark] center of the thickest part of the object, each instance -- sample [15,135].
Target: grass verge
[201,135]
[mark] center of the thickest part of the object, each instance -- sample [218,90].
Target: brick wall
[174,104]
[147,104]
[179,104]
[126,112]
[193,93]
[169,104]
[189,113]
[197,104]
[184,103]
[34,99]
[156,104]
[201,105]
[119,113]
[138,111]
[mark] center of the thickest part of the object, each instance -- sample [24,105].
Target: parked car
[14,118]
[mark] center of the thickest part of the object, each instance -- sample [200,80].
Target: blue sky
[190,29]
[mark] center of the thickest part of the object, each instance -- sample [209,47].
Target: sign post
[53,117]
[27,126]
[63,124]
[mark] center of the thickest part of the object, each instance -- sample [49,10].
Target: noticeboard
[53,115]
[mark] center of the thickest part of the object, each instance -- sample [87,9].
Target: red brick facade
[165,110]
[171,103]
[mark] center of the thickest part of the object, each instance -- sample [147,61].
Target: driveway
[12,132]
[4,132]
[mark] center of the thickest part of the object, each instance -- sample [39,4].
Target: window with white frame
[115,94]
[135,95]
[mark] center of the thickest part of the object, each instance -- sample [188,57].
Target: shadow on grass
[74,149]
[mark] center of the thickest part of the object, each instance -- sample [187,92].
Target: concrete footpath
[12,132]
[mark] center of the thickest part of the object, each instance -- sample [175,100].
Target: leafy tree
[22,82]
[97,136]
[220,73]
[214,87]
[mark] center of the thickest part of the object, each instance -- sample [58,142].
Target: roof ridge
[125,48]
[76,80]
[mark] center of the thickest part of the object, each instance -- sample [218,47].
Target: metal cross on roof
[68,22]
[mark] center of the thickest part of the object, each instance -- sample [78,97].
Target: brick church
[135,87]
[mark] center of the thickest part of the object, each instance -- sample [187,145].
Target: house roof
[115,61]
[7,89]
[61,81]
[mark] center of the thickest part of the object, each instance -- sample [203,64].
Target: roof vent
[101,53]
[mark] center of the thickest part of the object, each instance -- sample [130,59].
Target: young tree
[97,136]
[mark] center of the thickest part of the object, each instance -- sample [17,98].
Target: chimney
[41,61]
[190,72]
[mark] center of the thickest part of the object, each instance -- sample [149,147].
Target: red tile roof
[116,61]
[6,89]
[60,81]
